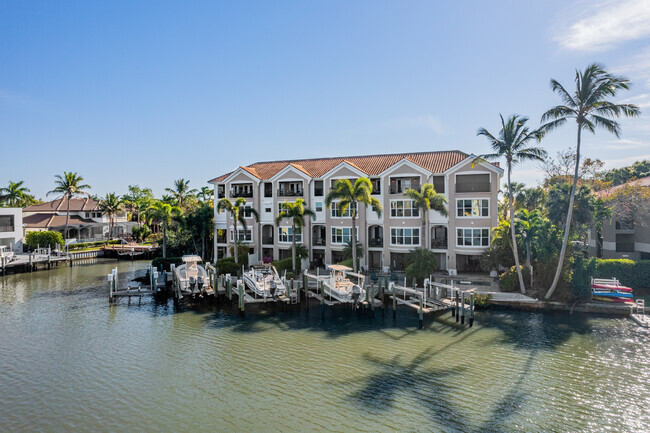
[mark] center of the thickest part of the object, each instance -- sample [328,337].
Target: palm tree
[425,199]
[163,213]
[205,193]
[110,206]
[15,194]
[349,196]
[529,224]
[590,109]
[69,185]
[236,211]
[296,212]
[421,263]
[513,144]
[181,191]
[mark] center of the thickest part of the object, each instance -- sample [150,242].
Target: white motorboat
[339,286]
[265,281]
[192,278]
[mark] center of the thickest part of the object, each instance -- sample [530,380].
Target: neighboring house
[11,228]
[86,223]
[622,239]
[457,241]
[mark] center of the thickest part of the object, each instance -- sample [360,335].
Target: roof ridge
[288,161]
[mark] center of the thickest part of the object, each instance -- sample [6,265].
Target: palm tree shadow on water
[533,333]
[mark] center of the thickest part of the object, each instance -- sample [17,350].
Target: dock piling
[471,310]
[462,308]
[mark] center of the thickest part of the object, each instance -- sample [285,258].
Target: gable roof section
[371,165]
[48,220]
[76,205]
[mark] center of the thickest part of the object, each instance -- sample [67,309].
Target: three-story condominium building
[457,240]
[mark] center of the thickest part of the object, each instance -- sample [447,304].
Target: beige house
[86,222]
[622,239]
[457,240]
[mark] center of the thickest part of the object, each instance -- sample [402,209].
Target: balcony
[241,193]
[439,243]
[267,240]
[472,187]
[624,247]
[289,193]
[376,242]
[320,242]
[399,189]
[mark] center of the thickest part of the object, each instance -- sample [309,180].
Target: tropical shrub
[165,264]
[628,272]
[227,265]
[44,239]
[509,281]
[583,270]
[420,264]
[482,301]
[285,265]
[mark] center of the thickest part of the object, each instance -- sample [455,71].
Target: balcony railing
[7,228]
[394,189]
[267,240]
[376,242]
[221,240]
[236,194]
[318,242]
[289,193]
[438,243]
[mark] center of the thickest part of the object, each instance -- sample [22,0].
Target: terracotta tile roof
[644,181]
[371,165]
[76,205]
[49,220]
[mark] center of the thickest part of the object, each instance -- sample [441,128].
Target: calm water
[71,362]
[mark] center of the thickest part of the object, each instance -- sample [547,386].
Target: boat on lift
[339,286]
[265,281]
[192,278]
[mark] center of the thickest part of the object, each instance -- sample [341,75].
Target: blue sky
[148,92]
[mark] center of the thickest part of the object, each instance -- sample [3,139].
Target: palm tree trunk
[425,230]
[236,237]
[164,240]
[354,244]
[515,251]
[67,217]
[293,248]
[567,227]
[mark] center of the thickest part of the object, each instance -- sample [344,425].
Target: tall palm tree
[236,211]
[205,193]
[68,186]
[110,206]
[589,106]
[15,194]
[529,224]
[181,191]
[427,199]
[163,213]
[349,196]
[296,212]
[513,145]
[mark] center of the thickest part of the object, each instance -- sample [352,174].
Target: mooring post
[322,301]
[31,268]
[462,307]
[421,312]
[471,310]
[4,264]
[110,287]
[457,306]
[228,287]
[392,285]
[453,296]
[240,288]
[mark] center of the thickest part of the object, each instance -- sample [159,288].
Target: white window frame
[285,235]
[240,230]
[394,231]
[247,207]
[344,238]
[472,207]
[334,210]
[472,238]
[412,209]
[321,205]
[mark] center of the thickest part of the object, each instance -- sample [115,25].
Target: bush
[44,239]
[628,272]
[285,265]
[347,263]
[509,281]
[583,270]
[482,301]
[227,265]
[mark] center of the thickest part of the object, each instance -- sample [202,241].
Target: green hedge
[165,264]
[583,270]
[285,265]
[628,272]
[44,239]
[227,265]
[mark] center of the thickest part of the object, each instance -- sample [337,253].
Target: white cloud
[427,121]
[638,70]
[623,162]
[607,24]
[626,144]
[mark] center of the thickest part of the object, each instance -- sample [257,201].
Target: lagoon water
[71,362]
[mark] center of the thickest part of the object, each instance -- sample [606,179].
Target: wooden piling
[322,301]
[471,310]
[394,301]
[457,306]
[240,288]
[462,308]
[421,312]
